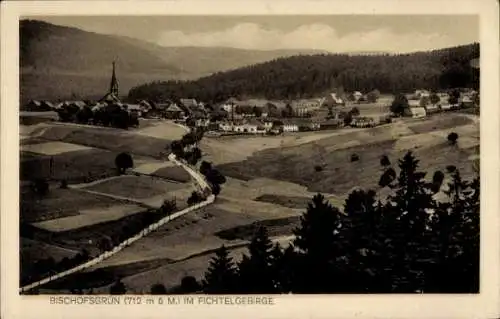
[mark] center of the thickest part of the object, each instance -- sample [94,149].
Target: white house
[416,112]
[290,127]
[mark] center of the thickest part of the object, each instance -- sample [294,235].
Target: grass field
[59,203]
[339,175]
[283,200]
[75,167]
[105,138]
[89,217]
[32,250]
[136,187]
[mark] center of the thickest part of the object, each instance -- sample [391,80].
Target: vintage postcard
[298,159]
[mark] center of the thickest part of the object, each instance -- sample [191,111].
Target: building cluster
[253,116]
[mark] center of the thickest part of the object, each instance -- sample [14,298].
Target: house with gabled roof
[173,111]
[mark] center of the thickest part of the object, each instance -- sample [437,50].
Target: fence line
[209,200]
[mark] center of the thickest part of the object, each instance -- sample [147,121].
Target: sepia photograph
[251,155]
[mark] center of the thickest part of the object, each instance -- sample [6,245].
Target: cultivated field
[270,180]
[135,187]
[59,203]
[427,139]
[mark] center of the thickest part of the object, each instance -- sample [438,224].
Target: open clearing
[136,187]
[53,148]
[88,217]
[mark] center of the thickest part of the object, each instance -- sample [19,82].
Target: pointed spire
[113,87]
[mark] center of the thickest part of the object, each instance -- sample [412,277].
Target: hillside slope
[311,75]
[60,62]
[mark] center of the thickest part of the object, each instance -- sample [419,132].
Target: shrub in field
[194,198]
[452,138]
[123,161]
[318,168]
[384,161]
[387,177]
[354,157]
[189,284]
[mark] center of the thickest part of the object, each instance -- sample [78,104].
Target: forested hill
[311,75]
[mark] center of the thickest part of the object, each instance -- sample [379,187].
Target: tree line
[310,75]
[110,115]
[411,243]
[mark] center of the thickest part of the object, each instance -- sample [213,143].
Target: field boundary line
[209,200]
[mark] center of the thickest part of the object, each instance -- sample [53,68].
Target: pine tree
[362,243]
[406,226]
[317,244]
[255,269]
[455,227]
[221,275]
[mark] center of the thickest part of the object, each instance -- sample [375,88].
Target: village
[259,116]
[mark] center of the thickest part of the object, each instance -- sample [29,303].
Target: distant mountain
[59,62]
[313,75]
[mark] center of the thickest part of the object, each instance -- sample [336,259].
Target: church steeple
[113,87]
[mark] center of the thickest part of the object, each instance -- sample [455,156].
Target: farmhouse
[357,95]
[415,112]
[421,93]
[189,103]
[173,111]
[331,124]
[362,122]
[332,99]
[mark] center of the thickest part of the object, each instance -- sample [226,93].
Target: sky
[335,33]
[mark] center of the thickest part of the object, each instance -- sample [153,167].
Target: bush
[318,168]
[158,289]
[387,178]
[354,157]
[452,138]
[399,105]
[354,111]
[194,198]
[118,288]
[384,161]
[64,184]
[123,161]
[451,168]
[41,187]
[189,284]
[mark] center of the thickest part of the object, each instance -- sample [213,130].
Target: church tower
[113,87]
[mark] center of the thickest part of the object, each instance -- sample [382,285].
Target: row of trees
[313,75]
[410,243]
[111,115]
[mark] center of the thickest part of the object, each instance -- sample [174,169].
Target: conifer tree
[221,275]
[255,269]
[455,226]
[361,241]
[317,244]
[406,226]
